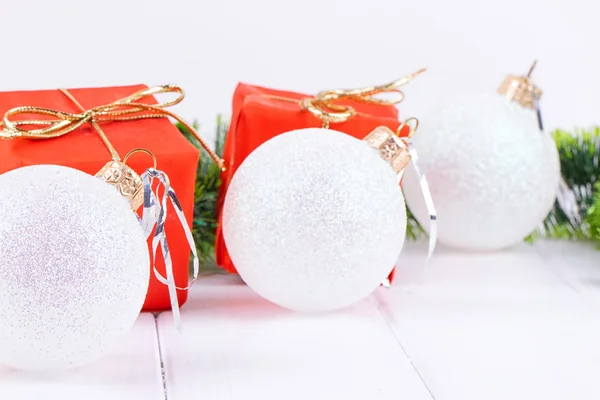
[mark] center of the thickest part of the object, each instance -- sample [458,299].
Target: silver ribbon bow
[153,219]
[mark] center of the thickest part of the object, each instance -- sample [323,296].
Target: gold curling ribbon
[324,105]
[126,109]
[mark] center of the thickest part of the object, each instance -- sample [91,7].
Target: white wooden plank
[236,345]
[494,326]
[131,371]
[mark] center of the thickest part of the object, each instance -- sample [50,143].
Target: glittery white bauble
[314,220]
[493,175]
[74,268]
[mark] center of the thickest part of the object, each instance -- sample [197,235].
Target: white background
[309,45]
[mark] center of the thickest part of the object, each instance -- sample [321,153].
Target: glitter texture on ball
[74,268]
[314,220]
[493,175]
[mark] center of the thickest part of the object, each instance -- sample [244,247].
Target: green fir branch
[414,231]
[578,152]
[208,180]
[593,216]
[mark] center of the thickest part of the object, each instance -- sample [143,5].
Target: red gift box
[83,149]
[260,114]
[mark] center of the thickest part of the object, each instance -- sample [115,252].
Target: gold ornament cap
[392,149]
[127,182]
[521,89]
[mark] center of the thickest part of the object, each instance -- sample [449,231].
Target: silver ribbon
[153,219]
[427,196]
[568,203]
[565,196]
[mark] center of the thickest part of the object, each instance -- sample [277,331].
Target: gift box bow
[328,106]
[126,109]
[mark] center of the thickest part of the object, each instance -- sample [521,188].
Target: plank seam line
[561,268]
[553,264]
[393,332]
[160,356]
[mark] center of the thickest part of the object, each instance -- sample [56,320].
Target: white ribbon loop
[153,218]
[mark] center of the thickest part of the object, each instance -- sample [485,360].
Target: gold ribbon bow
[126,109]
[325,107]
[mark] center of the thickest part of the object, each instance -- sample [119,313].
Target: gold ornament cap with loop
[521,89]
[392,148]
[127,182]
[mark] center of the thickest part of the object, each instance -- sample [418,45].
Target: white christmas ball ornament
[314,220]
[74,268]
[493,175]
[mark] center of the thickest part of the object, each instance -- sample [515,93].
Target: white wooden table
[522,324]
